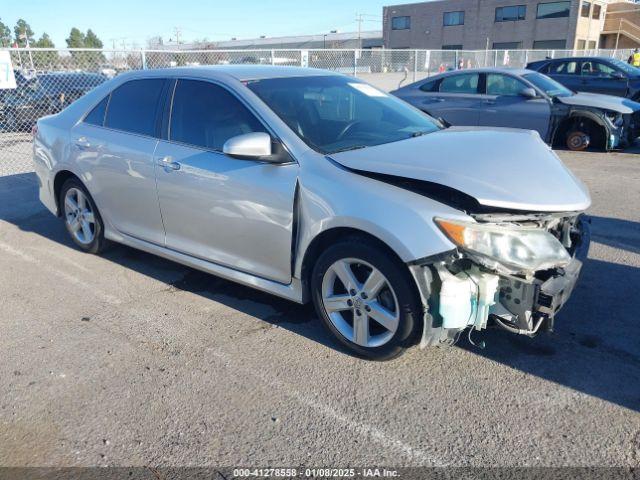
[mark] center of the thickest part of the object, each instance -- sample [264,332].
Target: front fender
[331,197]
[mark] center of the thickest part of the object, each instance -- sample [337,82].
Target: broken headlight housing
[517,248]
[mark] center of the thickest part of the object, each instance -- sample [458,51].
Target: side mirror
[528,93]
[256,146]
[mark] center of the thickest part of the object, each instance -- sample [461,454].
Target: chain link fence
[47,80]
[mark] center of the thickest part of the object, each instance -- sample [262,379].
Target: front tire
[81,217]
[367,299]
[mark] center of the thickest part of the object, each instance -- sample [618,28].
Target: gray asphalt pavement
[128,359]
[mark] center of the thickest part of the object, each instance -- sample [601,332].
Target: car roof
[239,72]
[507,70]
[564,59]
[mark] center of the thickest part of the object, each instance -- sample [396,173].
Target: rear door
[567,73]
[456,100]
[114,146]
[599,77]
[504,106]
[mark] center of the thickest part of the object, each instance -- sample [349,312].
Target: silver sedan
[318,187]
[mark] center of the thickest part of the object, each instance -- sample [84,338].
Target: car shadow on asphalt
[617,233]
[595,349]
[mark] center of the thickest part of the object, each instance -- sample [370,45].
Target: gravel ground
[128,359]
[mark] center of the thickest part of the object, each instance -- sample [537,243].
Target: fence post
[355,63]
[143,54]
[273,58]
[415,65]
[427,62]
[495,58]
[526,57]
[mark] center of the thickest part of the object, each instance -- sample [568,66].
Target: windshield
[335,113]
[548,85]
[625,67]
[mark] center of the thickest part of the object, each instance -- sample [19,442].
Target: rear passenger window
[431,86]
[206,115]
[564,68]
[134,106]
[464,83]
[96,116]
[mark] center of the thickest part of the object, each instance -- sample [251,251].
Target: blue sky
[134,21]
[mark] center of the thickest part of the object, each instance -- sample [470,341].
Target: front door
[598,77]
[233,212]
[504,106]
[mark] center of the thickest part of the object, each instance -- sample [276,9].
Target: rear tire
[367,299]
[81,217]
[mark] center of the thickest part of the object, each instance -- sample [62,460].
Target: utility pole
[178,32]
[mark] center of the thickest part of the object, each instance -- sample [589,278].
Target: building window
[582,44]
[553,10]
[507,45]
[400,23]
[511,14]
[549,44]
[453,18]
[592,45]
[451,47]
[585,10]
[595,14]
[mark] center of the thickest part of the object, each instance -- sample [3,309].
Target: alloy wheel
[360,302]
[79,216]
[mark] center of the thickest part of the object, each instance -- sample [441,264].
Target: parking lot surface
[129,359]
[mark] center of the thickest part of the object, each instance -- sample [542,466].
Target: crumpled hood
[608,102]
[499,167]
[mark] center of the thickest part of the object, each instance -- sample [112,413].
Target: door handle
[489,102]
[168,164]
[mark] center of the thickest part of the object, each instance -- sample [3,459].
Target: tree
[91,40]
[44,42]
[5,35]
[23,32]
[47,60]
[76,39]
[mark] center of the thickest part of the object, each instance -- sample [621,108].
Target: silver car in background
[520,98]
[318,187]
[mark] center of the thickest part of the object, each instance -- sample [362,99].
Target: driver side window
[206,115]
[596,69]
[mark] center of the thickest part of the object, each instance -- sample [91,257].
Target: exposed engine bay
[473,291]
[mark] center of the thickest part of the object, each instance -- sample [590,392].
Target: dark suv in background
[593,74]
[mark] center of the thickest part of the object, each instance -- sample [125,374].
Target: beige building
[511,24]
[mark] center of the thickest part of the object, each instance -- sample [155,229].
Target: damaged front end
[580,127]
[512,270]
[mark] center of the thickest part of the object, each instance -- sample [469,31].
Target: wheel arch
[592,118]
[58,181]
[329,237]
